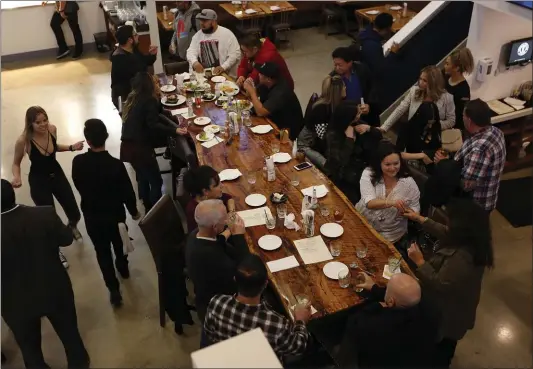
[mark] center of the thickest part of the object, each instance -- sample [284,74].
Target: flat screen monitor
[520,51]
[525,4]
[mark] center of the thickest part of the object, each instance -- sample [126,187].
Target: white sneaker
[63,260]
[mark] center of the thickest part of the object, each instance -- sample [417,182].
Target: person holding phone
[66,10]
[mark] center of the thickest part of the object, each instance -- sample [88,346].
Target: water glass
[394,264]
[344,278]
[246,120]
[281,209]
[302,300]
[270,222]
[251,177]
[275,147]
[335,248]
[324,210]
[353,264]
[295,179]
[361,251]
[359,279]
[170,80]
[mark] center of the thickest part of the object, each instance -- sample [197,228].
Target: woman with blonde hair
[142,122]
[311,139]
[459,63]
[431,110]
[46,178]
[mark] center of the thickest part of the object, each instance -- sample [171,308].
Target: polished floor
[73,91]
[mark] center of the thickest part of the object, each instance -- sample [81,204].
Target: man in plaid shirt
[482,155]
[228,316]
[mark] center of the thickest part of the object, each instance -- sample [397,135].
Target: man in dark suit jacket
[34,283]
[393,331]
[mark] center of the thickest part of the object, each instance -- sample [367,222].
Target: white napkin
[290,223]
[282,264]
[239,13]
[179,111]
[229,174]
[313,310]
[281,157]
[274,8]
[320,191]
[250,11]
[185,75]
[212,142]
[386,272]
[262,128]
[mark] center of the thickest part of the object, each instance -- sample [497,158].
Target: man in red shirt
[257,51]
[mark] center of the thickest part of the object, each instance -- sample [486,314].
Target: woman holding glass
[203,183]
[452,278]
[143,125]
[387,192]
[312,138]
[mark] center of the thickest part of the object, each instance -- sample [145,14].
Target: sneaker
[116,298]
[62,54]
[76,233]
[77,55]
[63,260]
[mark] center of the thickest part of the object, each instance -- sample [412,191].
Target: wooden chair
[282,27]
[176,68]
[165,231]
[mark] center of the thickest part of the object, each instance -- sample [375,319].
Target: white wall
[28,29]
[495,23]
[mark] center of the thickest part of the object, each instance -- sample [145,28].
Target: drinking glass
[270,222]
[353,264]
[338,215]
[295,179]
[170,80]
[335,248]
[361,251]
[275,147]
[198,99]
[302,300]
[246,120]
[300,156]
[251,176]
[344,278]
[324,210]
[394,264]
[359,279]
[281,209]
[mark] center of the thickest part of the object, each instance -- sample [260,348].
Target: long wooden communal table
[247,153]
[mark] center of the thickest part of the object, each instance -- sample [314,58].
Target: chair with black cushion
[330,15]
[160,140]
[165,230]
[282,29]
[176,68]
[181,152]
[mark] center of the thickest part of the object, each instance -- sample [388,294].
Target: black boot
[116,298]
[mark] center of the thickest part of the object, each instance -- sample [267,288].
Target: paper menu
[212,142]
[313,250]
[179,111]
[254,217]
[282,264]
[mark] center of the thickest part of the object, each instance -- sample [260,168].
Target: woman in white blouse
[430,88]
[387,191]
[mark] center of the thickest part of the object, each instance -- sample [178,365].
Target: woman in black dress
[459,63]
[47,179]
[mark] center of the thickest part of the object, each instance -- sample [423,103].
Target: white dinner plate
[331,230]
[255,200]
[218,79]
[372,12]
[395,7]
[332,269]
[282,157]
[181,100]
[261,129]
[202,121]
[168,88]
[229,174]
[229,88]
[269,242]
[208,137]
[212,128]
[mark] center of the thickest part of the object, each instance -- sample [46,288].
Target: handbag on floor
[126,240]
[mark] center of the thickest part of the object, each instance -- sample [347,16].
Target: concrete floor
[73,91]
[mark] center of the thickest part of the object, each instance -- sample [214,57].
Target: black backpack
[193,19]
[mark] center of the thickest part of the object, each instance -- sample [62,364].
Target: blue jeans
[149,182]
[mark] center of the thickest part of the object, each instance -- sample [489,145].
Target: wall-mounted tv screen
[525,4]
[520,51]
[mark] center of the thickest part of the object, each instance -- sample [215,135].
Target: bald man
[393,330]
[213,252]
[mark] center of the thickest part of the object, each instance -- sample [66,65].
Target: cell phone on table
[302,166]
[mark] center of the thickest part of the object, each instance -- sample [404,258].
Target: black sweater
[461,95]
[211,266]
[104,186]
[125,65]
